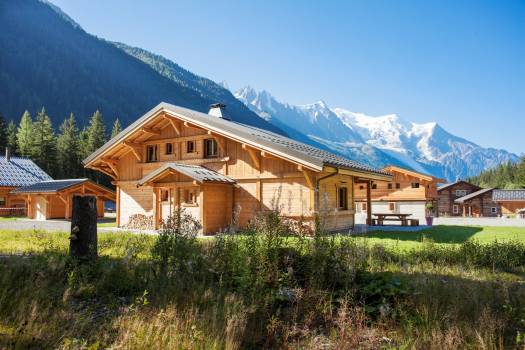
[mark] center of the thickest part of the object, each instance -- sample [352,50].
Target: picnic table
[382,217]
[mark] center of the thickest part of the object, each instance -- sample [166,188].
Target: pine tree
[521,173]
[117,127]
[3,133]
[43,150]
[68,160]
[24,135]
[12,141]
[96,133]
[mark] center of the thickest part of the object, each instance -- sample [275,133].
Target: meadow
[443,288]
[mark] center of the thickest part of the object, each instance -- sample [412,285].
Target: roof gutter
[317,183]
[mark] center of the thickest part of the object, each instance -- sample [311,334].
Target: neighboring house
[224,172]
[408,192]
[16,172]
[447,195]
[478,204]
[52,199]
[510,200]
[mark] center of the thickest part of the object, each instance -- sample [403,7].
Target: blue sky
[460,63]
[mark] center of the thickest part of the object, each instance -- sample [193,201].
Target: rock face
[380,140]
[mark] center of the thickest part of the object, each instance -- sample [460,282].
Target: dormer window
[210,148]
[151,153]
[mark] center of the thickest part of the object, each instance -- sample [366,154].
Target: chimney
[7,154]
[219,110]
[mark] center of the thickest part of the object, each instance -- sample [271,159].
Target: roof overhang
[360,174]
[198,174]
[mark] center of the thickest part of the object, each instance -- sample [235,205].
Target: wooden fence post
[83,239]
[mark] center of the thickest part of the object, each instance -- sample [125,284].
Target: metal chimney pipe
[7,154]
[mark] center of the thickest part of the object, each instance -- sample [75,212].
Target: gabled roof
[18,171]
[445,186]
[508,195]
[196,172]
[56,186]
[427,177]
[473,195]
[273,143]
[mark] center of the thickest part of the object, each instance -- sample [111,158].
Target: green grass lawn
[8,218]
[24,241]
[445,235]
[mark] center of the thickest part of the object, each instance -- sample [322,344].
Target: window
[415,184]
[169,148]
[374,186]
[151,153]
[2,201]
[361,187]
[363,206]
[164,195]
[392,206]
[190,146]
[494,210]
[461,193]
[389,186]
[398,186]
[190,197]
[343,198]
[455,209]
[210,148]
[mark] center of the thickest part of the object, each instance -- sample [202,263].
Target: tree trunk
[83,239]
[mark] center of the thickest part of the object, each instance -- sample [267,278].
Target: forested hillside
[507,176]
[48,60]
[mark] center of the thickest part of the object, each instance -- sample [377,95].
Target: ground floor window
[392,206]
[2,201]
[343,198]
[494,210]
[363,206]
[190,197]
[164,195]
[455,209]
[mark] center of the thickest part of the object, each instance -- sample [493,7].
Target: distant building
[465,199]
[26,190]
[409,192]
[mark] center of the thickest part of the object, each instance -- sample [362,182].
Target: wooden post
[83,239]
[369,202]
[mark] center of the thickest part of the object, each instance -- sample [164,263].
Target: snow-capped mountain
[378,141]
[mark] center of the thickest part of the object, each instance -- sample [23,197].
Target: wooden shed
[53,199]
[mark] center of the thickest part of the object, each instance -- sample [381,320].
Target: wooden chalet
[14,173]
[510,201]
[52,199]
[223,172]
[488,202]
[449,193]
[408,192]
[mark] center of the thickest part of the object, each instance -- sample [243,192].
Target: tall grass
[267,287]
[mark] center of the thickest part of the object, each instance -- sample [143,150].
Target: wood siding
[447,197]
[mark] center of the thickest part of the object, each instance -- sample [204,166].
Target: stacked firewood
[140,222]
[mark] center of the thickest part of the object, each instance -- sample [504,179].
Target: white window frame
[464,193]
[494,210]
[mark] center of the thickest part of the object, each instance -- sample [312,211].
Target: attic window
[169,148]
[190,146]
[210,148]
[398,186]
[415,184]
[389,186]
[151,153]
